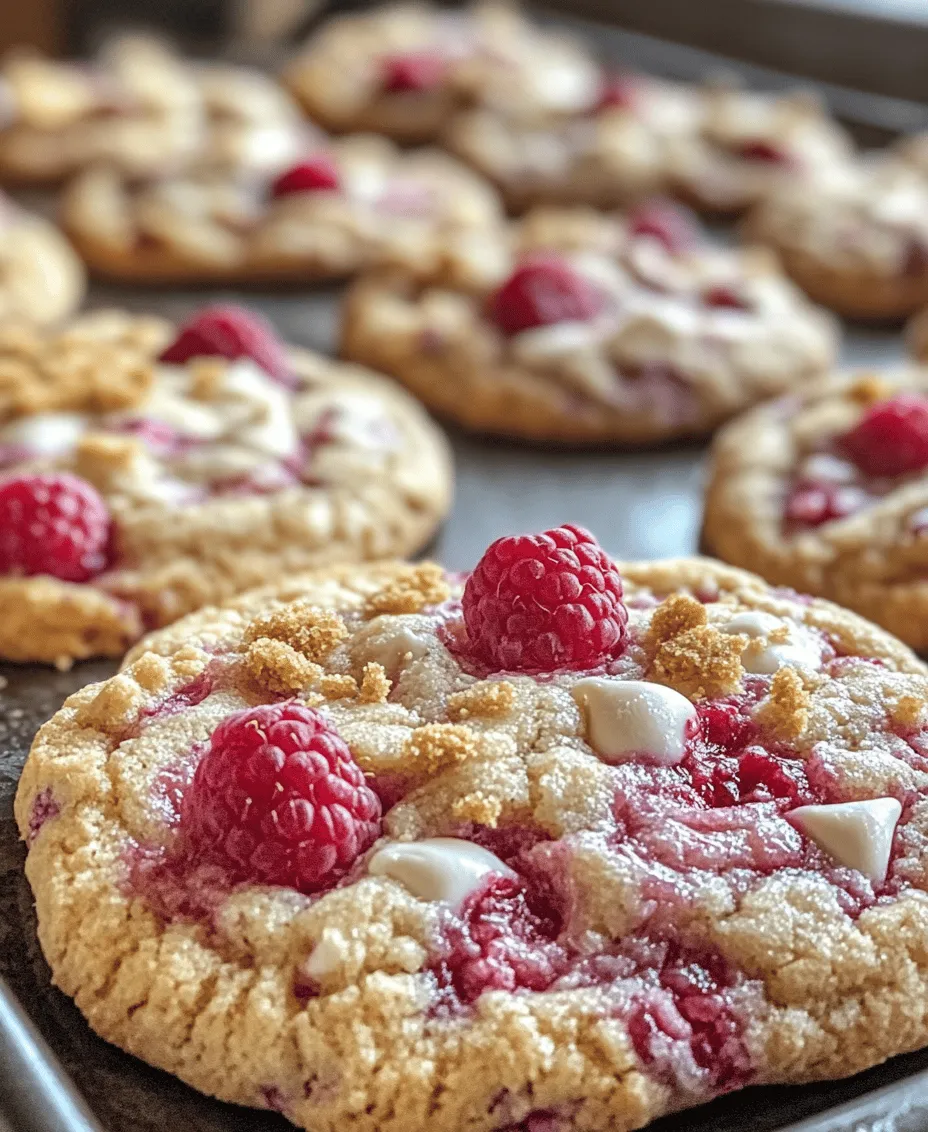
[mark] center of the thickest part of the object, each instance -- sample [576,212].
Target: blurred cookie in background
[594,329]
[41,278]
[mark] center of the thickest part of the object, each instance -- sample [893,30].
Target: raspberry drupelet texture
[543,290]
[278,799]
[53,524]
[316,174]
[892,438]
[229,331]
[544,602]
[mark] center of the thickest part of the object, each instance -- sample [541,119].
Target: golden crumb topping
[277,666]
[490,699]
[675,615]
[312,631]
[437,746]
[410,591]
[375,685]
[785,710]
[700,663]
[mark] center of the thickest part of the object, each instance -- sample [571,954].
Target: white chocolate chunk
[628,718]
[45,434]
[395,648]
[800,651]
[269,426]
[445,869]
[326,957]
[544,342]
[858,835]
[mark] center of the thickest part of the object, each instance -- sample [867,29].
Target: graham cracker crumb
[312,631]
[438,745]
[375,686]
[339,687]
[785,710]
[490,699]
[869,388]
[482,809]
[701,663]
[907,711]
[412,590]
[277,666]
[675,615]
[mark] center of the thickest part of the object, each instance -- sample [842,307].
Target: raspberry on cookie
[143,110]
[41,279]
[146,472]
[404,71]
[592,328]
[327,213]
[567,843]
[854,237]
[827,491]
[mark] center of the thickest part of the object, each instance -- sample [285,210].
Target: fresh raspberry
[618,92]
[316,174]
[278,799]
[543,290]
[674,226]
[760,150]
[892,437]
[811,504]
[53,524]
[543,602]
[412,72]
[229,332]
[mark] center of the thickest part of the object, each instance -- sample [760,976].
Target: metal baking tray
[640,504]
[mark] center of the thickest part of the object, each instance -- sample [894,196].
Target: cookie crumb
[907,711]
[675,615]
[412,590]
[312,631]
[151,672]
[114,707]
[339,687]
[700,663]
[785,710]
[98,457]
[438,745]
[207,376]
[869,388]
[277,666]
[375,686]
[481,809]
[490,699]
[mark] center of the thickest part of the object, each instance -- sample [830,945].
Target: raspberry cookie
[560,847]
[41,279]
[145,473]
[406,69]
[141,109]
[596,329]
[339,209]
[721,150]
[855,238]
[827,491]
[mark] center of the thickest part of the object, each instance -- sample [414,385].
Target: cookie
[406,69]
[376,848]
[827,490]
[719,149]
[145,473]
[357,204]
[41,278]
[855,238]
[141,109]
[595,329]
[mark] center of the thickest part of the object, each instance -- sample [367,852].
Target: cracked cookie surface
[592,328]
[598,896]
[213,475]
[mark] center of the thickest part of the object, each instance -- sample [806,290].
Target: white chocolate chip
[269,425]
[800,651]
[629,718]
[446,869]
[45,434]
[544,342]
[392,645]
[858,835]
[326,957]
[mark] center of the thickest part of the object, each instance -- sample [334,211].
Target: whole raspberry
[316,174]
[543,602]
[229,332]
[53,524]
[412,72]
[543,290]
[892,437]
[278,799]
[674,226]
